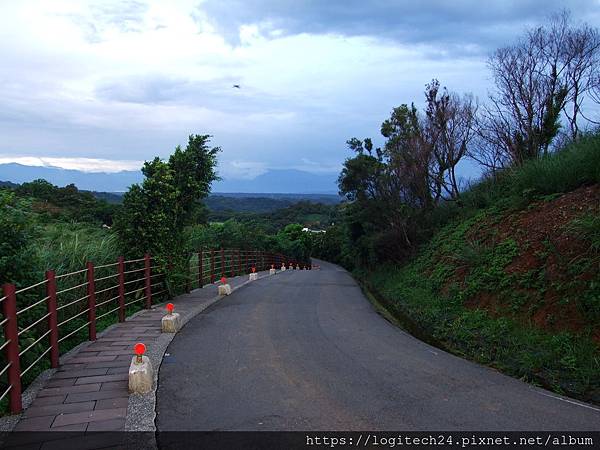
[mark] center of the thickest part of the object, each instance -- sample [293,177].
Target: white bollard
[272,271]
[171,323]
[283,268]
[224,289]
[253,276]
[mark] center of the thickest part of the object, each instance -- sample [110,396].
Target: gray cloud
[465,26]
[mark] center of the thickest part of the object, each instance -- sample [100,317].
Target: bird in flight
[237,86]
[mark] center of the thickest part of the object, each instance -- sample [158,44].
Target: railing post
[91,288]
[212,265]
[232,263]
[188,276]
[121,277]
[200,269]
[239,261]
[52,317]
[148,281]
[222,262]
[11,335]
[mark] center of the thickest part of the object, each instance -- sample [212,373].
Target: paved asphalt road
[305,350]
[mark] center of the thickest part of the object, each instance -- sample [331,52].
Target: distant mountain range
[111,182]
[273,181]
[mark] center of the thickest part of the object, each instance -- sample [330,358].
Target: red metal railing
[57,311]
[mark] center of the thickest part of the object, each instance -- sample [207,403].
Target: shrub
[18,262]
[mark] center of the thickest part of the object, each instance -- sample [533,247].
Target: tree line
[546,86]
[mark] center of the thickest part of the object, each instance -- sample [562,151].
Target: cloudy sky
[103,85]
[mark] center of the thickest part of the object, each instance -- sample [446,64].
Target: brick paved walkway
[89,391]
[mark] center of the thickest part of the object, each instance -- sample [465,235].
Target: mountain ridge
[275,181]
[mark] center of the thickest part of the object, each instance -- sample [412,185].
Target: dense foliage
[17,253]
[289,240]
[156,212]
[67,203]
[311,215]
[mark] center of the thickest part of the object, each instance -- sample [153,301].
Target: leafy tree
[392,189]
[294,242]
[155,213]
[67,203]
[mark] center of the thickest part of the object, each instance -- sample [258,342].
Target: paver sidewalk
[89,391]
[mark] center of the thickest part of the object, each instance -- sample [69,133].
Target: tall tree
[449,128]
[155,213]
[547,72]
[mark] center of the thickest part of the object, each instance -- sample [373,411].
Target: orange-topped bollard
[272,270]
[172,321]
[224,288]
[283,268]
[141,375]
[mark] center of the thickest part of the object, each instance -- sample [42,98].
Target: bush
[18,262]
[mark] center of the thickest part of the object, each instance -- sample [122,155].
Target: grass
[67,247]
[576,165]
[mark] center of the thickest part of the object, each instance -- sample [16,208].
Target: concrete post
[140,375]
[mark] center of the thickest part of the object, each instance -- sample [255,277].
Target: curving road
[305,350]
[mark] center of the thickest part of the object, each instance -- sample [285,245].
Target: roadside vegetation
[505,270]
